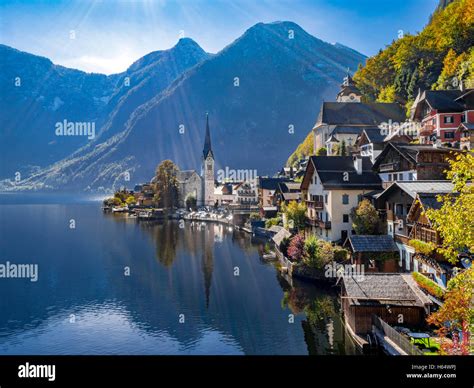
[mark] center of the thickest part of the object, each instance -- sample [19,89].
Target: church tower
[208,168]
[349,91]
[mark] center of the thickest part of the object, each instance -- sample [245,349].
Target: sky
[108,36]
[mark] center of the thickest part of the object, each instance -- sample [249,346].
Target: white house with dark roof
[332,186]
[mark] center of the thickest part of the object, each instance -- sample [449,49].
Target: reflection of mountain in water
[173,271]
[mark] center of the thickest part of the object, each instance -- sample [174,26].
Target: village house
[432,265]
[442,113]
[398,200]
[388,296]
[266,195]
[376,253]
[245,193]
[411,162]
[287,192]
[332,186]
[371,142]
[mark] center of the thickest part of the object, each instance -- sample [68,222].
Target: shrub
[425,248]
[428,285]
[255,217]
[273,221]
[296,248]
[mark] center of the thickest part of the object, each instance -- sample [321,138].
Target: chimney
[358,164]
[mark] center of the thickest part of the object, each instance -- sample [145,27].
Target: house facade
[332,186]
[441,113]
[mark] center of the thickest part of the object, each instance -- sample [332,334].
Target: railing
[388,167]
[427,130]
[319,223]
[315,204]
[394,336]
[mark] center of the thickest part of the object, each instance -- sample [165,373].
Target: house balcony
[318,223]
[385,167]
[318,205]
[427,130]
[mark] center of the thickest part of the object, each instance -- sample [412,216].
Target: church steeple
[207,141]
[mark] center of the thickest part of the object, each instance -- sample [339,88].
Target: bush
[422,247]
[273,221]
[340,254]
[321,151]
[255,217]
[428,285]
[296,248]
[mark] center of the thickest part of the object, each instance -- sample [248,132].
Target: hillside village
[368,156]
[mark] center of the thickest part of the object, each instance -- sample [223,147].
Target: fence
[402,342]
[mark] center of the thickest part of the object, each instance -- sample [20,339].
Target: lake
[109,285]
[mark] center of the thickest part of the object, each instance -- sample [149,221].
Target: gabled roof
[410,151]
[286,187]
[468,126]
[373,134]
[270,183]
[291,196]
[369,243]
[443,100]
[331,171]
[386,288]
[359,113]
[184,175]
[414,187]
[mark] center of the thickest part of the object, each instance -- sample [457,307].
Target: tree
[166,185]
[130,200]
[456,315]
[455,219]
[190,201]
[365,219]
[321,151]
[296,248]
[342,149]
[311,246]
[295,212]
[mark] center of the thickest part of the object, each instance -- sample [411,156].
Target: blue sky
[110,35]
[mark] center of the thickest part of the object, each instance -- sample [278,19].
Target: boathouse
[393,297]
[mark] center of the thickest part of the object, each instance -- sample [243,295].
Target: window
[326,199]
[410,176]
[343,235]
[327,234]
[400,177]
[345,199]
[345,218]
[449,135]
[463,117]
[448,119]
[389,177]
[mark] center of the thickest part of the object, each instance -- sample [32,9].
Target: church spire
[207,141]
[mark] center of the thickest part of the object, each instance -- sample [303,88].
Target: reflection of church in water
[200,186]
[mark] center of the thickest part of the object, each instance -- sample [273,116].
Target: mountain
[35,94]
[50,93]
[257,90]
[441,56]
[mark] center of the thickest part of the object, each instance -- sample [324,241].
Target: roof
[270,183]
[410,151]
[286,187]
[282,233]
[359,113]
[414,187]
[332,139]
[331,171]
[443,100]
[184,175]
[384,288]
[291,196]
[348,89]
[374,135]
[469,126]
[346,130]
[207,149]
[430,201]
[378,243]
